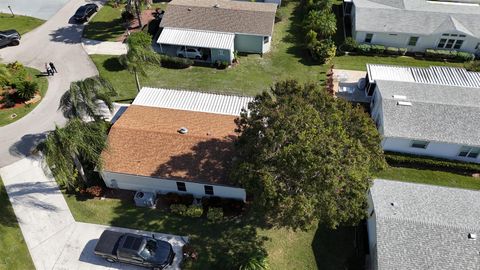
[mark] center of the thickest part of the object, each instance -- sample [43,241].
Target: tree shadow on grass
[112,64]
[343,248]
[104,30]
[8,218]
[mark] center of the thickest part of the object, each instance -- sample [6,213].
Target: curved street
[57,41]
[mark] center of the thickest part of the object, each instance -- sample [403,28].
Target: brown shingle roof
[229,16]
[145,141]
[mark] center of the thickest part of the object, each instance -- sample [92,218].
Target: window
[220,52]
[449,44]
[265,40]
[441,43]
[208,190]
[445,35]
[392,34]
[470,152]
[454,35]
[181,186]
[461,35]
[458,44]
[412,41]
[419,144]
[368,38]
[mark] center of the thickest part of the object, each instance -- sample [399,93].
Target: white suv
[189,52]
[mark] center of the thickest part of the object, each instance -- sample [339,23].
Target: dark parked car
[9,38]
[134,249]
[84,12]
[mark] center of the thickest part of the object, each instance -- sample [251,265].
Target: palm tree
[84,97]
[4,74]
[66,148]
[136,59]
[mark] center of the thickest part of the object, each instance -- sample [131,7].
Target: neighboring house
[175,141]
[431,111]
[217,27]
[418,227]
[416,24]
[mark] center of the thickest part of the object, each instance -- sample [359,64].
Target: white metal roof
[192,101]
[196,38]
[450,76]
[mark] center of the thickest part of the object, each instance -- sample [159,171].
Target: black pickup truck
[134,249]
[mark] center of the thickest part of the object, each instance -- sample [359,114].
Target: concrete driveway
[57,41]
[55,240]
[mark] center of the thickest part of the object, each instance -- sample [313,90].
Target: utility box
[145,199]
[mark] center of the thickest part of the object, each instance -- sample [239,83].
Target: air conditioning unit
[145,199]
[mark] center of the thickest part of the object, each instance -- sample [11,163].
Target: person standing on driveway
[52,66]
[49,69]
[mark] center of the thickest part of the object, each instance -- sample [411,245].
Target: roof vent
[404,103]
[189,9]
[399,97]
[183,130]
[472,236]
[393,204]
[216,6]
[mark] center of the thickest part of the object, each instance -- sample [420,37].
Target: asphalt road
[57,41]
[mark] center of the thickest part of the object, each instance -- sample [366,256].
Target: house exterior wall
[434,149]
[248,43]
[221,55]
[157,185]
[424,42]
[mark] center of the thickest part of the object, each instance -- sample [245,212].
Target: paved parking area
[55,240]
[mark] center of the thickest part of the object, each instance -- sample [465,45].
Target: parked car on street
[134,249]
[189,52]
[9,38]
[84,12]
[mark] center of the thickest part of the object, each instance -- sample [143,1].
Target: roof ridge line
[424,222]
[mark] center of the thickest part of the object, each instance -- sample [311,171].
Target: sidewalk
[104,47]
[55,240]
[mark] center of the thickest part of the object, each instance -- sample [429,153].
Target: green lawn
[437,178]
[13,250]
[358,62]
[22,24]
[106,25]
[253,75]
[5,114]
[286,249]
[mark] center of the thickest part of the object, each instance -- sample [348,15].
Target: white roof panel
[192,101]
[196,38]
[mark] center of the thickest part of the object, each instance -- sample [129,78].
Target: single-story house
[175,141]
[418,227]
[416,24]
[216,28]
[432,111]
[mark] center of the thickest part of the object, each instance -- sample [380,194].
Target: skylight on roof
[399,97]
[456,2]
[404,103]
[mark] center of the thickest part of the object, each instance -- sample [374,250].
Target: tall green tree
[83,98]
[67,149]
[306,157]
[140,53]
[321,21]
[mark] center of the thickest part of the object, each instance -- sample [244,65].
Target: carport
[217,45]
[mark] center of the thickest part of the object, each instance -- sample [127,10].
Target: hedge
[372,48]
[451,55]
[175,62]
[430,163]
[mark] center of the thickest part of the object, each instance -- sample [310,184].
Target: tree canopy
[306,157]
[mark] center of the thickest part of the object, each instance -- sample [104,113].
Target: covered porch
[199,45]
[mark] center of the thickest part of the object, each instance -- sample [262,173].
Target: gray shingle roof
[438,113]
[229,16]
[416,17]
[427,228]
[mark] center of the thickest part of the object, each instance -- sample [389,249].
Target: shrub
[95,191]
[175,62]
[15,66]
[194,211]
[221,64]
[392,51]
[26,89]
[377,49]
[179,209]
[423,162]
[465,56]
[127,16]
[212,201]
[215,214]
[349,45]
[325,51]
[139,39]
[175,198]
[364,48]
[8,103]
[402,51]
[473,66]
